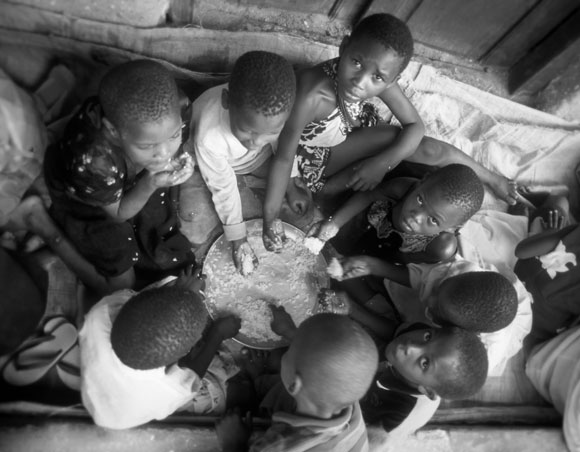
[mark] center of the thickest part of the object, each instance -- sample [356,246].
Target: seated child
[423,365]
[113,177]
[236,128]
[548,266]
[337,134]
[146,355]
[410,220]
[446,296]
[327,369]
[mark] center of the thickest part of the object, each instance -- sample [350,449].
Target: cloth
[319,136]
[554,369]
[220,156]
[120,397]
[86,171]
[554,282]
[397,411]
[291,432]
[424,278]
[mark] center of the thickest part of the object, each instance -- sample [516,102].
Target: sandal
[37,355]
[69,368]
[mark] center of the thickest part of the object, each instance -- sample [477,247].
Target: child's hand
[244,257]
[273,236]
[234,433]
[356,266]
[227,327]
[282,323]
[192,280]
[323,230]
[367,174]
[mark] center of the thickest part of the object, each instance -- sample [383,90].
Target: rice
[314,244]
[335,270]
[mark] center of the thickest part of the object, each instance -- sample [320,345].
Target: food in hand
[335,270]
[314,244]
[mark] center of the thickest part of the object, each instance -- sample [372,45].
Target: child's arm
[381,326]
[540,244]
[441,248]
[199,360]
[282,323]
[134,199]
[371,171]
[357,266]
[304,111]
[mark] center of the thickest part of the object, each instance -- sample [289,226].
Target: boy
[327,369]
[113,178]
[423,365]
[425,280]
[236,128]
[330,104]
[146,355]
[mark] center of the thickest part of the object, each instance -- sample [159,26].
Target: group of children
[423,323]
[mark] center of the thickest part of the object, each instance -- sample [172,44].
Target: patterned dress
[319,136]
[86,171]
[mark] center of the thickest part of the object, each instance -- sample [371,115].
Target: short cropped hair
[157,327]
[482,302]
[391,32]
[140,90]
[263,82]
[336,359]
[460,187]
[470,373]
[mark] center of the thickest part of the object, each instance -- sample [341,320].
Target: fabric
[424,278]
[292,432]
[86,171]
[220,156]
[554,369]
[318,136]
[120,397]
[554,282]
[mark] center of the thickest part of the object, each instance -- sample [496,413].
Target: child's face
[423,357]
[365,69]
[426,211]
[152,145]
[253,129]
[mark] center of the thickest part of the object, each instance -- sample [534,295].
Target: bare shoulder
[396,188]
[443,247]
[315,89]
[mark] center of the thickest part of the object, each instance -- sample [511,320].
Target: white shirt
[220,156]
[501,345]
[116,395]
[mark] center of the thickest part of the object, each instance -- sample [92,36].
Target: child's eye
[356,62]
[176,135]
[433,221]
[379,78]
[424,363]
[419,200]
[146,147]
[427,336]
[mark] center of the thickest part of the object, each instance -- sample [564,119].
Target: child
[548,266]
[428,289]
[236,128]
[113,177]
[146,355]
[423,365]
[411,220]
[327,369]
[330,103]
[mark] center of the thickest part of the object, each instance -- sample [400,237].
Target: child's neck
[307,408]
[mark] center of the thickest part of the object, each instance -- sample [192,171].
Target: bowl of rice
[291,278]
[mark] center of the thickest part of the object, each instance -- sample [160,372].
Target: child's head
[259,97]
[140,101]
[449,362]
[476,301]
[157,327]
[373,56]
[442,201]
[330,363]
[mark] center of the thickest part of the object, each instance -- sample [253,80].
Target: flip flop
[36,356]
[69,368]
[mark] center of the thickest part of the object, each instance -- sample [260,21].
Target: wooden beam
[531,29]
[550,57]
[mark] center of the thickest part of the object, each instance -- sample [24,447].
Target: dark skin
[199,357]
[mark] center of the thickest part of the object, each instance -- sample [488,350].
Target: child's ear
[343,44]
[295,386]
[111,128]
[428,392]
[225,99]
